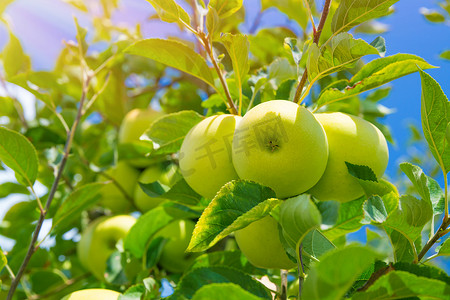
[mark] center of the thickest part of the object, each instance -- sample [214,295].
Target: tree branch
[32,249]
[323,18]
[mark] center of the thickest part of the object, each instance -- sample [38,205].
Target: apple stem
[317,33]
[301,271]
[68,145]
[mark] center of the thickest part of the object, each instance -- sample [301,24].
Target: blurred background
[43,25]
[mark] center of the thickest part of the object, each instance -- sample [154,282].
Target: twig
[283,284]
[61,287]
[323,18]
[374,277]
[301,276]
[205,41]
[440,233]
[32,249]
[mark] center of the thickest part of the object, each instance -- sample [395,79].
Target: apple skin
[173,257]
[134,124]
[99,239]
[112,197]
[356,141]
[260,243]
[281,145]
[141,199]
[206,154]
[93,294]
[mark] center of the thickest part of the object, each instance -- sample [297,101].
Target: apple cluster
[284,146]
[98,241]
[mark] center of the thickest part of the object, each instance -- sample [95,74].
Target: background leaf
[223,291]
[174,54]
[20,155]
[168,132]
[330,278]
[225,8]
[170,11]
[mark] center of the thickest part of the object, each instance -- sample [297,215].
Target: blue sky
[43,24]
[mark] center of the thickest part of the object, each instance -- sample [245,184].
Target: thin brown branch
[301,271]
[440,233]
[207,45]
[374,277]
[283,284]
[317,33]
[32,249]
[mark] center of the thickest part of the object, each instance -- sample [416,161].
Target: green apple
[173,257]
[354,140]
[141,199]
[114,198]
[99,241]
[281,145]
[260,243]
[93,294]
[205,155]
[134,124]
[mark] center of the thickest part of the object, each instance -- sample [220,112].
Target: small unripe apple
[173,257]
[281,145]
[99,241]
[354,140]
[141,199]
[93,294]
[205,155]
[260,243]
[112,197]
[135,123]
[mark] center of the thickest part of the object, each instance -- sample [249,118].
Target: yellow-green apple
[173,257]
[119,200]
[281,145]
[354,140]
[134,124]
[93,294]
[141,199]
[205,155]
[99,240]
[260,243]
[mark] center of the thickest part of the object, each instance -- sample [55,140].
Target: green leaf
[174,54]
[349,216]
[403,285]
[331,278]
[79,200]
[408,220]
[432,15]
[44,280]
[423,271]
[44,137]
[183,193]
[373,75]
[14,59]
[4,4]
[20,155]
[150,223]
[225,8]
[380,44]
[361,172]
[167,133]
[444,249]
[81,37]
[3,260]
[294,9]
[354,12]
[375,209]
[135,292]
[169,11]
[233,259]
[298,216]
[427,187]
[237,204]
[315,244]
[342,52]
[223,291]
[9,188]
[445,55]
[238,49]
[197,278]
[435,113]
